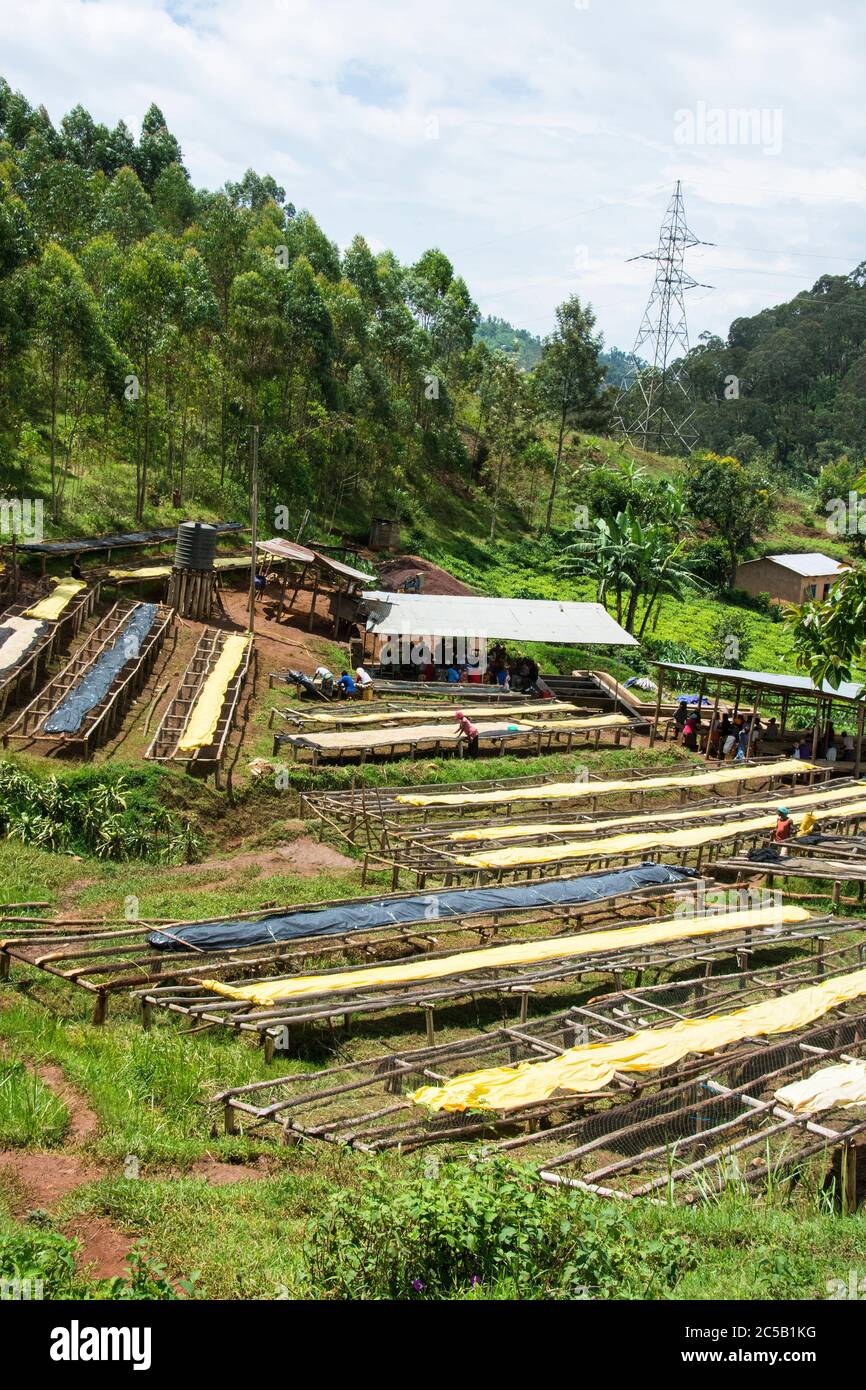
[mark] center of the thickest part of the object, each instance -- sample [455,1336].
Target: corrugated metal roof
[773,680]
[811,565]
[520,620]
[340,568]
[289,550]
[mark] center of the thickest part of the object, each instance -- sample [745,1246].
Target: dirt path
[303,856]
[41,1180]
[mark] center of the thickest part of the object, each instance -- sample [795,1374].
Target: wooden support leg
[848,1169]
[100,1008]
[229,1118]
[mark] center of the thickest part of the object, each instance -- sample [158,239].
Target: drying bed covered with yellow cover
[48,609]
[570,791]
[583,1070]
[719,810]
[840,803]
[267,992]
[205,714]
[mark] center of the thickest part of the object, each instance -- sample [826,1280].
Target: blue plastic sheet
[68,716]
[420,907]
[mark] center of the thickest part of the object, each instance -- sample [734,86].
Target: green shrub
[40,1256]
[110,814]
[480,1229]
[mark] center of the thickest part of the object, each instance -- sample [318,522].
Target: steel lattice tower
[657,413]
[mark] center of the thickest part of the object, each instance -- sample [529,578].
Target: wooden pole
[254,525]
[858,746]
[816,728]
[714,721]
[752,719]
[655,726]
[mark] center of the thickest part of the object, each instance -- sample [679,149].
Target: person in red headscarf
[467,731]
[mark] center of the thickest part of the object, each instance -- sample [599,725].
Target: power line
[657,413]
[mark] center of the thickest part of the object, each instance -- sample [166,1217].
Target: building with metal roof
[790,578]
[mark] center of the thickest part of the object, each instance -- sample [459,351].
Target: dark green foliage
[790,377]
[97,811]
[483,1229]
[150,326]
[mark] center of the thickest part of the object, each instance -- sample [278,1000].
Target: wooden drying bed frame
[732,1112]
[446,690]
[272,1024]
[370,808]
[405,846]
[106,716]
[164,745]
[435,868]
[531,741]
[35,662]
[348,714]
[105,958]
[364,1104]
[841,861]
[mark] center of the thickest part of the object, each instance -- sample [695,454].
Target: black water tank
[196,545]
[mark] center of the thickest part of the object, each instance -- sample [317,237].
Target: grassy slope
[453,531]
[147,1089]
[246,1239]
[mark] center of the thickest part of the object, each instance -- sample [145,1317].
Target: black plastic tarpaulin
[96,683]
[420,907]
[130,539]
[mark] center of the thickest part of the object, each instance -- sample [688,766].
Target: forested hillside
[146,326]
[792,377]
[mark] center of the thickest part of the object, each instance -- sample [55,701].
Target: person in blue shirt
[346,685]
[452,674]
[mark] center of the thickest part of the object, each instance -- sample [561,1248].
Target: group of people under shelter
[735,737]
[519,672]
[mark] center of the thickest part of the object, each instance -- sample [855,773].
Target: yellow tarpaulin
[583,1070]
[144,572]
[221,562]
[570,791]
[831,1088]
[721,809]
[50,607]
[525,953]
[638,841]
[205,714]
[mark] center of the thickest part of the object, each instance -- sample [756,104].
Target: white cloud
[556,129]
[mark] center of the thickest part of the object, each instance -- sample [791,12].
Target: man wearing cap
[467,731]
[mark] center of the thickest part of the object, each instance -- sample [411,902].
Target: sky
[538,144]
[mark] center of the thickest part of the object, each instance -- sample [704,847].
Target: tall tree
[68,327]
[735,501]
[569,375]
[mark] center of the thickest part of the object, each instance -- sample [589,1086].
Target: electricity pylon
[657,413]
